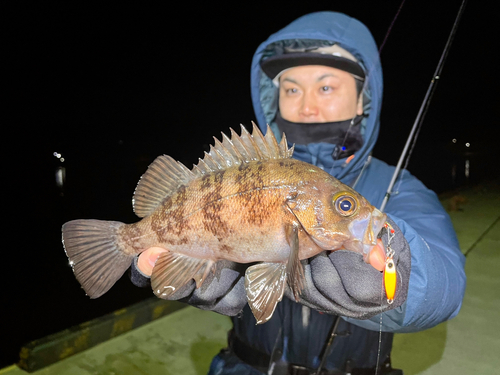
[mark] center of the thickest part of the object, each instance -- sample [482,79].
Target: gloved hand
[340,283]
[223,291]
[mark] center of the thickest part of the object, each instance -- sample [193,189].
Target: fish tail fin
[95,254]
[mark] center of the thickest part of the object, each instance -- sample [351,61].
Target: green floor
[469,343]
[185,341]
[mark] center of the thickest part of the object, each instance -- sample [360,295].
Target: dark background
[111,87]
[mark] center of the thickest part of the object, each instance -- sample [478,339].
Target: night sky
[111,88]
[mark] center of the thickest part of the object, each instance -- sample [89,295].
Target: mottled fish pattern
[246,201]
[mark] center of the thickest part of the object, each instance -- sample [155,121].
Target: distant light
[467,144]
[60,176]
[454,140]
[59,156]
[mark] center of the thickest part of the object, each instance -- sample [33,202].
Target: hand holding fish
[246,202]
[148,258]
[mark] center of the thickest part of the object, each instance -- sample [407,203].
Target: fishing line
[388,284]
[412,138]
[380,327]
[390,27]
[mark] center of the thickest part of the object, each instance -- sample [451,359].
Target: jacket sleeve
[437,277]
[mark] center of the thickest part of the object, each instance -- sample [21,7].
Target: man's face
[317,93]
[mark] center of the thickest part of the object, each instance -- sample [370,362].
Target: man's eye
[326,89]
[291,91]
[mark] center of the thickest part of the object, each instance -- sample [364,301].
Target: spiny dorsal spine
[165,175]
[243,149]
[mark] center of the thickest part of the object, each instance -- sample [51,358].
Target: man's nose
[309,105]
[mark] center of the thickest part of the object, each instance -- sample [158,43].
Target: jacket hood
[323,28]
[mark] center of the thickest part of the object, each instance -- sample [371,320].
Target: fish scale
[246,201]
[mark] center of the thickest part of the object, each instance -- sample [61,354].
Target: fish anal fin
[265,285]
[172,271]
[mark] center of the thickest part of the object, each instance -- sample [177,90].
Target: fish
[247,201]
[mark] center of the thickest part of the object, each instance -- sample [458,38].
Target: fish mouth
[364,233]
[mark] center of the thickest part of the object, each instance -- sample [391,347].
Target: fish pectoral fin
[172,271]
[294,269]
[265,285]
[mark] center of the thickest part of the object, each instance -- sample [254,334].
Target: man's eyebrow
[326,75]
[290,80]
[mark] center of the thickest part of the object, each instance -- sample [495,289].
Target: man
[319,80]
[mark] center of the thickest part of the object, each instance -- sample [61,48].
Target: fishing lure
[390,275]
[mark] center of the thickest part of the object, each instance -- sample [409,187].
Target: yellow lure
[390,279]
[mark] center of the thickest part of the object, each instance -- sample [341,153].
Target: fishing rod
[418,121]
[423,108]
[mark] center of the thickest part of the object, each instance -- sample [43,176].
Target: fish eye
[345,204]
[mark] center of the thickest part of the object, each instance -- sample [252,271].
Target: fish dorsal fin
[163,177]
[241,149]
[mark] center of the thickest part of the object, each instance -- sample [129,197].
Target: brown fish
[245,201]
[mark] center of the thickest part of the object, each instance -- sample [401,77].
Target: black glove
[343,284]
[223,291]
[137,277]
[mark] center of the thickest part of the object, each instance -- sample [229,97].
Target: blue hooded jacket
[437,277]
[437,280]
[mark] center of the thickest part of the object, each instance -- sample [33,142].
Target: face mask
[346,134]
